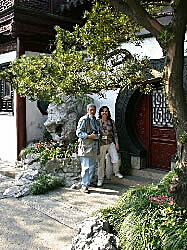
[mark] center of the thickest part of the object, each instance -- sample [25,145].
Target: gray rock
[30,158]
[62,119]
[28,174]
[21,184]
[17,191]
[94,233]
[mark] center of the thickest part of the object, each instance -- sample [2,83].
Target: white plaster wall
[8,138]
[34,121]
[7,57]
[149,47]
[8,143]
[109,100]
[34,118]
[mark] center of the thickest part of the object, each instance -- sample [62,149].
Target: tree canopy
[88,60]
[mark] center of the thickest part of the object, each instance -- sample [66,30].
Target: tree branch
[136,12]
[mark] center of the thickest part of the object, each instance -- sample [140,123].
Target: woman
[108,143]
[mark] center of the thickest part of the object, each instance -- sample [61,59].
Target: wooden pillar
[20,123]
[20,113]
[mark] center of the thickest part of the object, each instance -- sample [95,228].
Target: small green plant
[166,36]
[45,183]
[183,138]
[166,180]
[48,150]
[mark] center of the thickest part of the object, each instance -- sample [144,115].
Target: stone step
[139,177]
[149,173]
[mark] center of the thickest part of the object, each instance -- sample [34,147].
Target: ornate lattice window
[6,95]
[160,113]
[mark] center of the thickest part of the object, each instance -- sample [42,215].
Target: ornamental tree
[90,59]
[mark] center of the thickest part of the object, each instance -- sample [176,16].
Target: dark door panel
[163,146]
[155,130]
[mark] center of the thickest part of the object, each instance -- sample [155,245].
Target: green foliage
[166,180]
[105,29]
[166,36]
[45,183]
[183,138]
[87,60]
[48,150]
[146,218]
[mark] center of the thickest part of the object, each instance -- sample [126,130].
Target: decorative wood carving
[154,129]
[160,113]
[6,4]
[6,95]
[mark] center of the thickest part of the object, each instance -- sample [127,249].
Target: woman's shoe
[100,183]
[120,176]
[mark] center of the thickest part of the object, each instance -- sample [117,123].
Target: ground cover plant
[44,183]
[146,218]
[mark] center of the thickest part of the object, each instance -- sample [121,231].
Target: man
[87,131]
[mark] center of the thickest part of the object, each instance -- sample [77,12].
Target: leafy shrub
[48,150]
[183,138]
[146,218]
[45,183]
[166,180]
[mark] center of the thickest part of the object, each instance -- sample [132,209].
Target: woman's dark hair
[101,110]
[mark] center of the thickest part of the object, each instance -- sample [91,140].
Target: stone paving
[50,221]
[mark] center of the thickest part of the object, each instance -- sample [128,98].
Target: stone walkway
[50,221]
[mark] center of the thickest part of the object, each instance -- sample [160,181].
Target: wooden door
[155,130]
[163,138]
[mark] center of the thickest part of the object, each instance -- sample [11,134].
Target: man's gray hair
[91,105]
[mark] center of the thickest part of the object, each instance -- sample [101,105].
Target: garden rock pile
[67,170]
[94,233]
[61,124]
[20,187]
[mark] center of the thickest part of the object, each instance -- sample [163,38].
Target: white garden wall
[34,118]
[8,138]
[34,122]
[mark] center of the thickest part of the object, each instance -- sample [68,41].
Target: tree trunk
[174,87]
[178,105]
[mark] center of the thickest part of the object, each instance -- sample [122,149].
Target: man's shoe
[120,176]
[92,185]
[85,190]
[100,183]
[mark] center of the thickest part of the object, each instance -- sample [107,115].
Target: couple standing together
[92,132]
